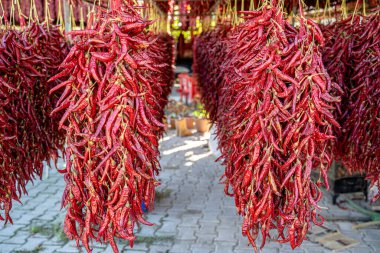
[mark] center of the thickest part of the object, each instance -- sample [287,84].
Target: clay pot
[172,123]
[202,125]
[181,126]
[189,122]
[165,122]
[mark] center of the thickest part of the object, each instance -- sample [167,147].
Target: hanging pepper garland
[352,57]
[204,66]
[28,135]
[118,78]
[274,119]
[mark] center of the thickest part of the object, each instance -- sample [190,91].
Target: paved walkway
[192,213]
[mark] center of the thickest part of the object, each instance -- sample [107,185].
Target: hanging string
[301,3]
[280,5]
[12,15]
[217,14]
[47,14]
[155,24]
[30,12]
[94,4]
[355,10]
[229,12]
[59,15]
[327,8]
[35,12]
[81,21]
[364,8]
[46,11]
[3,15]
[344,9]
[223,17]
[20,15]
[317,10]
[235,13]
[73,23]
[252,5]
[91,14]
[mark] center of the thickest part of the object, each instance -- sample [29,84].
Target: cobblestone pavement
[192,213]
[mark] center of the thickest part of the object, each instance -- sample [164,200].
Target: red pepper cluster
[273,111]
[118,77]
[40,9]
[352,58]
[28,136]
[204,67]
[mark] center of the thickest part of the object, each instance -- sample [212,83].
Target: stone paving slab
[193,215]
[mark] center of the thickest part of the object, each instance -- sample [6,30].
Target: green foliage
[200,112]
[163,194]
[151,239]
[35,250]
[49,230]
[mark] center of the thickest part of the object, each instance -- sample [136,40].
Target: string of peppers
[273,109]
[352,57]
[117,79]
[29,56]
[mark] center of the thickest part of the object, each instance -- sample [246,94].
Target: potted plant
[171,120]
[202,123]
[181,122]
[190,119]
[172,110]
[189,122]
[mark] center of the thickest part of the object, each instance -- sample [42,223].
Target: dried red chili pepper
[28,135]
[113,120]
[352,58]
[273,116]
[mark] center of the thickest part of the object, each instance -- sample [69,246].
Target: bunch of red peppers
[352,58]
[117,79]
[273,109]
[28,135]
